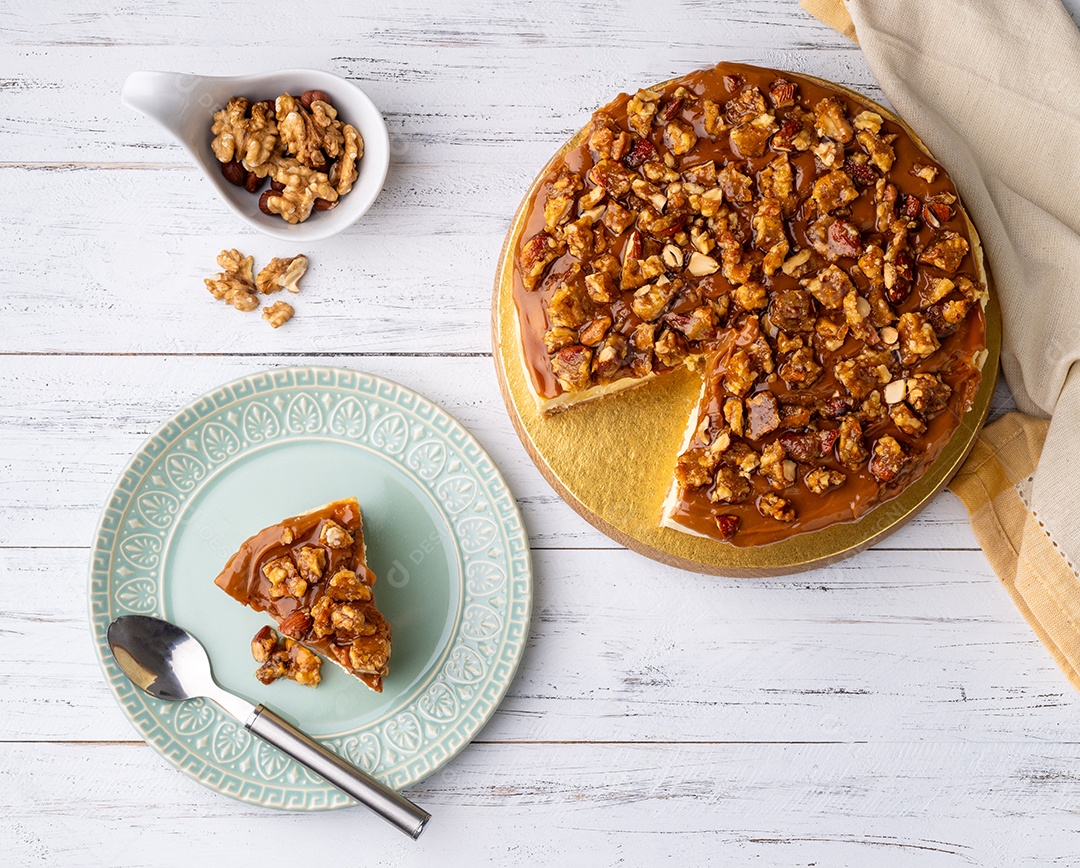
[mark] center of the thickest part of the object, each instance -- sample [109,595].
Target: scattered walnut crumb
[279,313]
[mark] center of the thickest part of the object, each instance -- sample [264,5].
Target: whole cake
[796,245]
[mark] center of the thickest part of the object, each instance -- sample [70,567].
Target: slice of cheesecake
[310,574]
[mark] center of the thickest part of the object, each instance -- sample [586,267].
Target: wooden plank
[69,425]
[886,647]
[837,805]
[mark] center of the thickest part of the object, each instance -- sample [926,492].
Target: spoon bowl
[185,104]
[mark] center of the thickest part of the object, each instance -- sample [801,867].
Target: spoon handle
[389,805]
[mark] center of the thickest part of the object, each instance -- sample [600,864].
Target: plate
[577,450]
[445,540]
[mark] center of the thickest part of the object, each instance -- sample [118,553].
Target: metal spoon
[169,663]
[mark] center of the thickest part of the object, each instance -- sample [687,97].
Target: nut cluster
[340,610]
[309,154]
[238,286]
[778,220]
[281,656]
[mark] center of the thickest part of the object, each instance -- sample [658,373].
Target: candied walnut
[801,369]
[236,284]
[580,238]
[776,467]
[536,255]
[946,251]
[713,120]
[829,153]
[788,343]
[703,174]
[609,356]
[344,586]
[834,190]
[569,305]
[868,120]
[752,138]
[777,181]
[830,334]
[822,480]
[707,204]
[864,373]
[607,141]
[917,338]
[695,468]
[739,374]
[927,394]
[349,621]
[887,460]
[850,449]
[746,105]
[830,287]
[558,337]
[617,218]
[572,367]
[872,408]
[879,149]
[927,173]
[594,331]
[856,312]
[612,176]
[734,415]
[370,655]
[729,486]
[637,272]
[872,261]
[772,505]
[311,562]
[282,274]
[769,234]
[897,273]
[830,120]
[795,415]
[334,536]
[735,185]
[937,290]
[680,137]
[904,419]
[762,415]
[601,288]
[343,173]
[650,300]
[282,657]
[641,109]
[800,264]
[320,616]
[792,310]
[698,325]
[751,296]
[279,313]
[671,348]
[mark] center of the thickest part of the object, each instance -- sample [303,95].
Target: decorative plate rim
[471,677]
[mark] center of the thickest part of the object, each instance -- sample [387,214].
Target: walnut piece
[772,505]
[821,480]
[236,284]
[279,313]
[282,274]
[281,656]
[334,536]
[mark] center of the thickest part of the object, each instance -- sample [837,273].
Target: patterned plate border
[422,441]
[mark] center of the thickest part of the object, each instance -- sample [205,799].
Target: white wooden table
[892,710]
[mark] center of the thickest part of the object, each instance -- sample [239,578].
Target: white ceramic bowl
[185,105]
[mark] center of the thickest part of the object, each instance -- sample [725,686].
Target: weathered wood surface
[893,709]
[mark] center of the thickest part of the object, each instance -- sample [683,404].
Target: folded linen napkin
[993,88]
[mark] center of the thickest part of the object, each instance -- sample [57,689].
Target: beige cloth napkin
[993,88]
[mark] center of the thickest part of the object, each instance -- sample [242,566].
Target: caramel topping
[799,241]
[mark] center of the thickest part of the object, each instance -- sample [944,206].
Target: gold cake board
[612,459]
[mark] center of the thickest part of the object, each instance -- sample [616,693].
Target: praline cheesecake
[797,246]
[309,573]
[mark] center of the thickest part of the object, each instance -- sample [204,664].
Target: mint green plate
[444,538]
